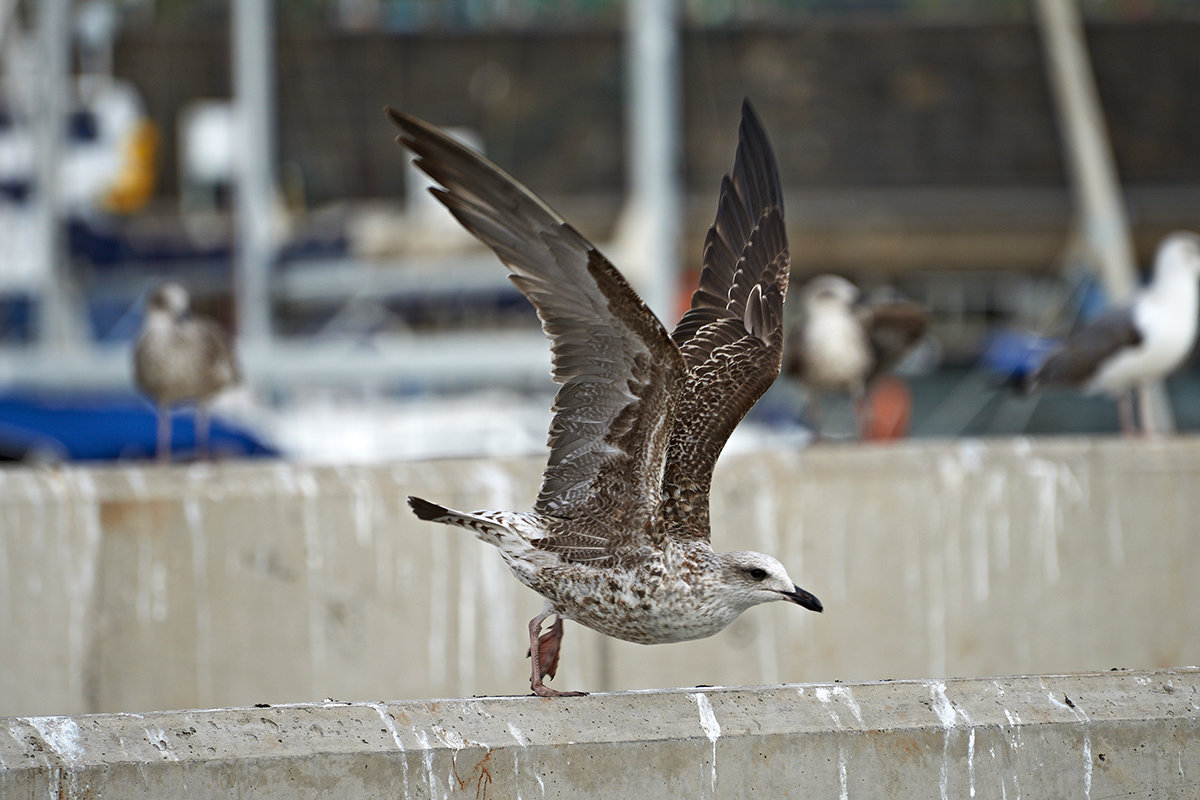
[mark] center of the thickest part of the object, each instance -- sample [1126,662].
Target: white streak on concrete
[971,759]
[516,733]
[949,716]
[1046,482]
[362,508]
[137,482]
[1082,716]
[843,692]
[942,705]
[61,734]
[81,559]
[158,738]
[305,485]
[204,646]
[712,729]
[1014,745]
[390,724]
[427,756]
[825,696]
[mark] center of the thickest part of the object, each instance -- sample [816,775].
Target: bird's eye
[757,573]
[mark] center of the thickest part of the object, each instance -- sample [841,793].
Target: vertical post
[654,135]
[56,327]
[1102,220]
[254,99]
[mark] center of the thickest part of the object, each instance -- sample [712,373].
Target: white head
[167,299]
[750,578]
[1178,256]
[825,291]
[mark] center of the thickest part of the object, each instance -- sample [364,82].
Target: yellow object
[135,183]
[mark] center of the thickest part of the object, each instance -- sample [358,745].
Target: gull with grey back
[1130,346]
[180,357]
[618,539]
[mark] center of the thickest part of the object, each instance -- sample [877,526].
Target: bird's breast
[836,355]
[647,606]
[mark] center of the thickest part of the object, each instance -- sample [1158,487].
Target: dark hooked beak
[803,598]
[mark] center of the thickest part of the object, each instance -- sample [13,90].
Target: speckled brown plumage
[618,538]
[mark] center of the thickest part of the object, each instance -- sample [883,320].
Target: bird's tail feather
[429,511]
[499,529]
[489,530]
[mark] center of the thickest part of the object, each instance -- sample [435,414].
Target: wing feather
[732,336]
[617,367]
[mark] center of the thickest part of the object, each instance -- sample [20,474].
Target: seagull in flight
[618,538]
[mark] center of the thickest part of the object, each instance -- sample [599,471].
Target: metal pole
[56,326]
[654,136]
[254,98]
[1102,220]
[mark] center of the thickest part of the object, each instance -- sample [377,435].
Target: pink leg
[543,655]
[1129,426]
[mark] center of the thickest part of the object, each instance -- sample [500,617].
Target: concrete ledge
[1087,735]
[136,588]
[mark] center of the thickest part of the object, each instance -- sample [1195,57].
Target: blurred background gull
[978,158]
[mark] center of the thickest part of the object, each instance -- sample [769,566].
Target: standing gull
[841,344]
[1130,346]
[180,358]
[618,539]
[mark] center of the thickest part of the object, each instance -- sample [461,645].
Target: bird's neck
[158,323]
[1176,290]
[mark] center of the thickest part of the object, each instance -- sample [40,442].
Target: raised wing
[618,367]
[732,336]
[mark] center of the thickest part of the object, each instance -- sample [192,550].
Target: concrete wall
[140,588]
[1105,735]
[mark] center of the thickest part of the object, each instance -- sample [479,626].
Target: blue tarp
[92,428]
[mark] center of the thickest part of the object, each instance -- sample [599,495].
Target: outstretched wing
[618,367]
[732,336]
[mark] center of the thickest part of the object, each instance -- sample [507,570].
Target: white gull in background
[841,343]
[180,357]
[1133,345]
[618,539]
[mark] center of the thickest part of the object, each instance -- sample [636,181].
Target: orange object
[135,184]
[888,410]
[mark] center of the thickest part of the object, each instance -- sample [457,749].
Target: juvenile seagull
[618,539]
[1130,346]
[841,344]
[180,358]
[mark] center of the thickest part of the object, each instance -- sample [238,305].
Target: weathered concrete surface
[1112,734]
[134,589]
